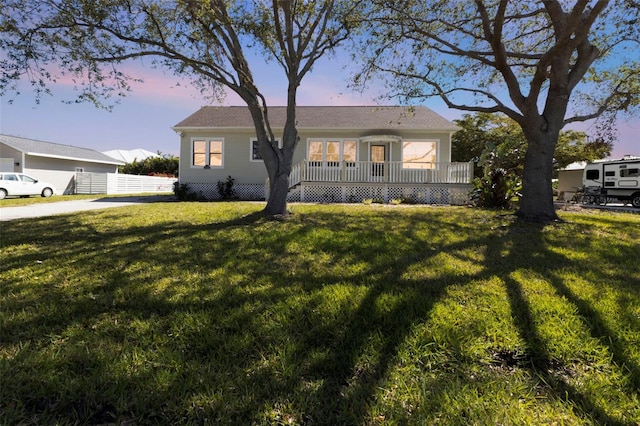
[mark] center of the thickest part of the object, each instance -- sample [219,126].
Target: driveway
[64,207]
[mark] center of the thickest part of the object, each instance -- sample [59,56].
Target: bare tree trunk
[278,165]
[277,161]
[279,181]
[278,191]
[537,192]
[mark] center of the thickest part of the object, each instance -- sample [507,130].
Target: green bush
[500,184]
[153,166]
[496,189]
[184,193]
[225,189]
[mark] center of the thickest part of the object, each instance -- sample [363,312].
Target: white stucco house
[52,162]
[344,154]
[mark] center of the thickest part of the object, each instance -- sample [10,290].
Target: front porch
[342,181]
[380,172]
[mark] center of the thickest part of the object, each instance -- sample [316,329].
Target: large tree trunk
[536,204]
[279,180]
[277,161]
[278,164]
[273,158]
[278,191]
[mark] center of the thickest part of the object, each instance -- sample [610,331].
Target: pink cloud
[325,85]
[154,85]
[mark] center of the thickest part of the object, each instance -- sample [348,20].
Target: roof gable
[54,150]
[323,117]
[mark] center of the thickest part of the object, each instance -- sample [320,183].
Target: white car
[18,184]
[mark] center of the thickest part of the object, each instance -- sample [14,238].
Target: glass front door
[378,158]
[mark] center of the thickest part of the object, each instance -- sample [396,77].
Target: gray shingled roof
[55,150]
[323,117]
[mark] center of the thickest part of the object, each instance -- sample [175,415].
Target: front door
[378,158]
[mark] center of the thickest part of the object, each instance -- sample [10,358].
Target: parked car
[18,184]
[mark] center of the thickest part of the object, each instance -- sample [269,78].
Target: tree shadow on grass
[359,349]
[346,384]
[241,337]
[82,319]
[527,249]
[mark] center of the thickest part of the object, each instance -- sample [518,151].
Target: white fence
[116,183]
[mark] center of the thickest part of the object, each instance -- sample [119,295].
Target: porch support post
[303,170]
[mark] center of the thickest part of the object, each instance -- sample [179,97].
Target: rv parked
[613,180]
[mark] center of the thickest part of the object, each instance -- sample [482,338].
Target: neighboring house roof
[580,165]
[323,117]
[129,156]
[55,150]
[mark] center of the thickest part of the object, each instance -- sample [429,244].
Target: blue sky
[144,118]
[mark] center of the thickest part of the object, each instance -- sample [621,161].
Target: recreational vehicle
[613,180]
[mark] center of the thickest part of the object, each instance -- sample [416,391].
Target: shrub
[500,184]
[225,189]
[166,166]
[184,193]
[497,188]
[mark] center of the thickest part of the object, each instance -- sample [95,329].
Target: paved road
[63,207]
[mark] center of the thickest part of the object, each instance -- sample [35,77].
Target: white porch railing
[387,172]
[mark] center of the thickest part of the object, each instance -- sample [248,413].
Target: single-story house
[52,162]
[344,154]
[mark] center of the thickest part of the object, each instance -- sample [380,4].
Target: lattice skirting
[331,193]
[422,194]
[244,191]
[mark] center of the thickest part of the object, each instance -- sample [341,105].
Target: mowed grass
[36,199]
[204,313]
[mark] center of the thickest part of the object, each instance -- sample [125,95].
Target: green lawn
[204,313]
[36,199]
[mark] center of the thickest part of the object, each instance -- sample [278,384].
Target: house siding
[569,181]
[236,160]
[236,152]
[61,172]
[10,157]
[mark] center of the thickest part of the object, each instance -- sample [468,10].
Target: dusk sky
[144,118]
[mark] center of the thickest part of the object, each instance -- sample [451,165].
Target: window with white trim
[254,151]
[330,152]
[207,152]
[419,154]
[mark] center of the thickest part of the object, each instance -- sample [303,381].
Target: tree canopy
[479,130]
[543,64]
[207,41]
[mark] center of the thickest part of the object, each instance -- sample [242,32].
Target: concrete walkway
[64,207]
